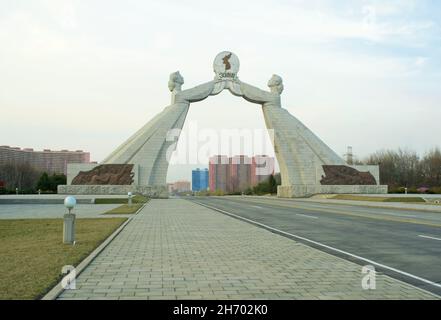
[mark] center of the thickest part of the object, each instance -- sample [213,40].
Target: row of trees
[22,176]
[405,168]
[27,179]
[49,183]
[399,169]
[268,186]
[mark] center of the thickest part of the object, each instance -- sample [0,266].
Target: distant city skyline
[239,173]
[46,160]
[364,74]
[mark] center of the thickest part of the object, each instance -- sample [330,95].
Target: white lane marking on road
[427,237]
[325,246]
[368,211]
[306,216]
[393,214]
[354,210]
[257,207]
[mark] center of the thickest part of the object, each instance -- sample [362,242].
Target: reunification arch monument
[307,165]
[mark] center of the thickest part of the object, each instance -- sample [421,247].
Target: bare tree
[19,175]
[397,168]
[431,168]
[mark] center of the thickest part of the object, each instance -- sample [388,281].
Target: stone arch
[308,166]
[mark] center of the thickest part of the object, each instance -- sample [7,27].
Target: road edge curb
[55,292]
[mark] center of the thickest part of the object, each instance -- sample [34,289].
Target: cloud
[76,61]
[63,12]
[421,61]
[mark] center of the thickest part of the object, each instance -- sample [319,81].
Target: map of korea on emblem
[226,65]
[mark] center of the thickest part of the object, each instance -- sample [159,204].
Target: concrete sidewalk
[176,249]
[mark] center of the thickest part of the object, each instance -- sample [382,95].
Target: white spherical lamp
[70,202]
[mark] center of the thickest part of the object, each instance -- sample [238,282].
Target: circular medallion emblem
[226,65]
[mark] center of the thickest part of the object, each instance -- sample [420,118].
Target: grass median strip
[136,199]
[125,209]
[32,253]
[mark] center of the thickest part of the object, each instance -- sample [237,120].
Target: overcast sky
[87,74]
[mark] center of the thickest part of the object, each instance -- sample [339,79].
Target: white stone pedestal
[69,228]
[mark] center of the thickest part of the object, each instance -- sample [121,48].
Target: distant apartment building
[199,180]
[46,160]
[179,186]
[262,167]
[219,173]
[238,173]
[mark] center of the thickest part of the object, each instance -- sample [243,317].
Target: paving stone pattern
[176,249]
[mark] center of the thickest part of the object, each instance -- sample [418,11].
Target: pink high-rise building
[218,175]
[262,168]
[238,173]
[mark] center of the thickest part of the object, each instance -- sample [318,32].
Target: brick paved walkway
[175,249]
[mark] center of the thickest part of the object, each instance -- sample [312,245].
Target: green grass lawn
[125,209]
[379,199]
[136,199]
[32,252]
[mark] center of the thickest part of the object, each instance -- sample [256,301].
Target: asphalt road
[408,241]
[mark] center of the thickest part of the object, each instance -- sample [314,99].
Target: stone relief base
[157,192]
[301,191]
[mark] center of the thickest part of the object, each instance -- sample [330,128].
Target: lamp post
[129,196]
[69,221]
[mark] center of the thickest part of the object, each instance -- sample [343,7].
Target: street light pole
[129,195]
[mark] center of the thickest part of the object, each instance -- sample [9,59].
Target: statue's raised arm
[195,94]
[262,97]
